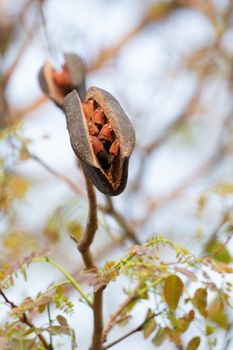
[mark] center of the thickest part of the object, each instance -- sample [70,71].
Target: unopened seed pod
[57,84]
[107,170]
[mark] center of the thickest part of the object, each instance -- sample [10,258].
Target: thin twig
[154,13]
[220,149]
[50,324]
[28,39]
[129,232]
[35,105]
[51,46]
[164,136]
[228,339]
[24,319]
[215,232]
[223,246]
[60,176]
[135,330]
[47,167]
[114,317]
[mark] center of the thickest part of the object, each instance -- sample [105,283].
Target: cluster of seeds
[102,136]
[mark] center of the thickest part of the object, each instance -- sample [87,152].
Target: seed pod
[57,84]
[108,171]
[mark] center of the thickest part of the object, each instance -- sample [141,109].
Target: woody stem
[84,248]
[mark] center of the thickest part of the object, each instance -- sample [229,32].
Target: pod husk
[77,70]
[113,183]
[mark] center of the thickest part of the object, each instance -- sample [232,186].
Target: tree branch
[84,248]
[114,317]
[27,40]
[24,319]
[91,227]
[33,106]
[135,330]
[154,13]
[60,176]
[129,232]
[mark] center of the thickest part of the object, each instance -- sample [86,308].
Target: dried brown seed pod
[108,171]
[56,84]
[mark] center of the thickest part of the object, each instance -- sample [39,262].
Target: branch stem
[24,319]
[135,330]
[84,248]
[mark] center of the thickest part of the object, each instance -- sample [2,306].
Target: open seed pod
[57,84]
[102,137]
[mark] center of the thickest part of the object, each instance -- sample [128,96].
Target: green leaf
[129,307]
[173,288]
[62,321]
[18,186]
[149,328]
[173,336]
[219,252]
[28,332]
[200,300]
[222,267]
[58,330]
[223,189]
[190,316]
[216,313]
[209,329]
[193,344]
[42,308]
[150,324]
[159,337]
[182,325]
[75,230]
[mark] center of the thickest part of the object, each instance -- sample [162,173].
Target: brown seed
[96,145]
[57,84]
[100,152]
[106,133]
[89,109]
[114,149]
[61,79]
[99,117]
[93,130]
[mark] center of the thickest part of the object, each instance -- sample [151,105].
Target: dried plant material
[102,137]
[56,84]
